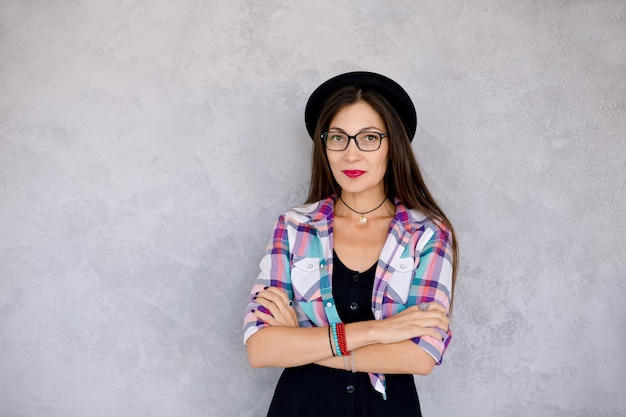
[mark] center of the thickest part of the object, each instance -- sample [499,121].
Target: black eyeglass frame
[324,137]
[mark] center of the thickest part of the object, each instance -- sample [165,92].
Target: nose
[352,152]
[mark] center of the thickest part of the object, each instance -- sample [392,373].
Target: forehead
[356,117]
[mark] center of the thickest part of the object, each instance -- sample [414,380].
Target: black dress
[315,391]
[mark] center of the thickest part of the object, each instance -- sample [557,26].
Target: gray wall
[147,146]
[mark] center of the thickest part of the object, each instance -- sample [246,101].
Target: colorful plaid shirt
[415,266]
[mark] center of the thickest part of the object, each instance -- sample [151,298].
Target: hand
[413,322]
[279,305]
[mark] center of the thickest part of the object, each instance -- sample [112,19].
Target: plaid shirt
[415,266]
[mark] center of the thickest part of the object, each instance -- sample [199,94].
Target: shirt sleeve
[274,272]
[433,282]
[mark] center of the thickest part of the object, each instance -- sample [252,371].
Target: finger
[413,313]
[272,295]
[423,306]
[437,321]
[434,334]
[276,319]
[428,319]
[265,317]
[278,298]
[434,324]
[281,293]
[438,307]
[422,330]
[434,310]
[282,318]
[272,307]
[442,321]
[431,306]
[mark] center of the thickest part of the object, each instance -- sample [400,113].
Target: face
[357,171]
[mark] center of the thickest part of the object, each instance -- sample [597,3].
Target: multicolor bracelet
[335,327]
[339,337]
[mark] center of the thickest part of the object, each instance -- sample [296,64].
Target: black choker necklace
[361,221]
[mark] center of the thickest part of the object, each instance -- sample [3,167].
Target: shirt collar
[322,213]
[407,220]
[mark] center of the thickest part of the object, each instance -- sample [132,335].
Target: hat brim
[386,87]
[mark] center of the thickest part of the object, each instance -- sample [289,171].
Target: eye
[336,137]
[370,137]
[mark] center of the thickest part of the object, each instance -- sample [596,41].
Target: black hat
[384,86]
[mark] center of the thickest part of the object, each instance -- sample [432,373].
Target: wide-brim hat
[386,87]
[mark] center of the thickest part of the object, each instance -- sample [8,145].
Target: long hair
[403,179]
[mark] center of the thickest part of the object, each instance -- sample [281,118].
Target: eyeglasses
[365,141]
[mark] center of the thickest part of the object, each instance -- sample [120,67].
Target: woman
[355,291]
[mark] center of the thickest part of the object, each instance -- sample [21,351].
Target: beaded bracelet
[349,362]
[341,339]
[346,363]
[336,339]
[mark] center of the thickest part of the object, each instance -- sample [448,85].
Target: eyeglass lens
[365,141]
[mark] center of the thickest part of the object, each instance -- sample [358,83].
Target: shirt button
[356,278]
[329,304]
[354,306]
[350,389]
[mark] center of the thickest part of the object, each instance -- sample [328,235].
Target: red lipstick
[353,173]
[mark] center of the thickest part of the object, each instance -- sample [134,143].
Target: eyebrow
[364,129]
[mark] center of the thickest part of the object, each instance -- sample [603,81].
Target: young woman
[354,293]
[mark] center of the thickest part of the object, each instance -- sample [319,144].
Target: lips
[353,173]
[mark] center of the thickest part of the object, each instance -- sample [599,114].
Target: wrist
[362,333]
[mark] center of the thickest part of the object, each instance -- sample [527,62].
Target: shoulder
[321,210]
[417,221]
[307,210]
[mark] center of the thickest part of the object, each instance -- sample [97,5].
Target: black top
[352,292]
[313,390]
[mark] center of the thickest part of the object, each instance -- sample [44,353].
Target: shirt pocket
[305,279]
[399,283]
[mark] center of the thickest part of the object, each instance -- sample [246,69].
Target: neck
[362,202]
[361,213]
[355,205]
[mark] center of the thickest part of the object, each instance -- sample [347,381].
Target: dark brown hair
[403,179]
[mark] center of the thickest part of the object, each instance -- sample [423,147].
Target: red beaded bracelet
[341,336]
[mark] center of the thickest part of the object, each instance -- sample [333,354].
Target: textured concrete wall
[147,146]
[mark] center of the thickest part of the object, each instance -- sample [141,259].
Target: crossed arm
[380,346]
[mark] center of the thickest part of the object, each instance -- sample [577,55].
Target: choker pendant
[362,220]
